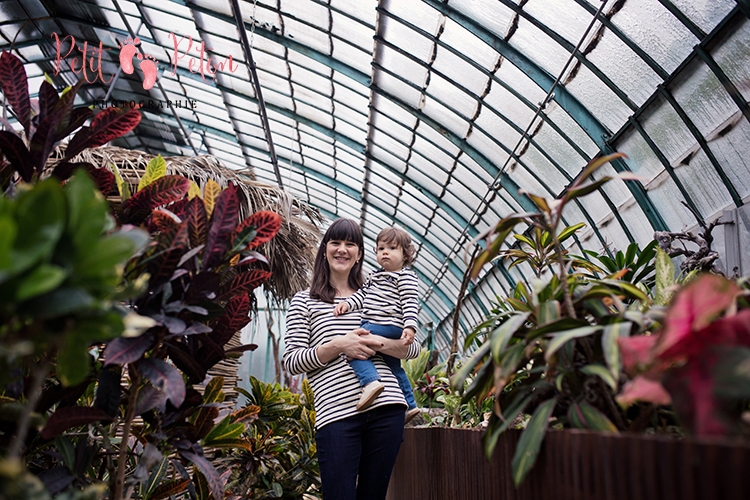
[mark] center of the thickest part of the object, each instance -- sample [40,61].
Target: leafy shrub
[281,460]
[110,387]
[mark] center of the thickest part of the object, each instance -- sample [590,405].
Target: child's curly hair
[401,238]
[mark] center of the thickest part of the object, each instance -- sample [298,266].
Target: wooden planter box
[449,464]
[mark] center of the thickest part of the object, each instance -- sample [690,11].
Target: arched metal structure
[431,114]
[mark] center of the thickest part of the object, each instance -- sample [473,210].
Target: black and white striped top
[311,323]
[388,298]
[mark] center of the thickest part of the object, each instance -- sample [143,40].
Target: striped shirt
[388,298]
[311,323]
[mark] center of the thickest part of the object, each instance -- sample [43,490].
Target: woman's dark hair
[343,230]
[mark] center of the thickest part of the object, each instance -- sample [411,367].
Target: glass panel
[731,148]
[352,31]
[461,72]
[706,14]
[417,13]
[398,89]
[624,68]
[405,38]
[703,98]
[306,35]
[733,56]
[600,99]
[641,20]
[546,171]
[366,10]
[539,47]
[488,146]
[491,14]
[462,41]
[565,17]
[307,11]
[352,56]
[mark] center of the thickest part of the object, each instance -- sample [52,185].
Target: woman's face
[341,256]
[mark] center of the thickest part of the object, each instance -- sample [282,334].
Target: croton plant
[105,331]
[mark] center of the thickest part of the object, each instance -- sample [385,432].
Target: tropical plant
[639,264]
[539,250]
[60,265]
[188,292]
[550,350]
[281,459]
[200,281]
[427,384]
[193,285]
[698,361]
[49,120]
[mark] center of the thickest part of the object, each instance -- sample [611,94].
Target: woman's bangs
[344,230]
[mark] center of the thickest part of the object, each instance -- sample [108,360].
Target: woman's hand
[357,344]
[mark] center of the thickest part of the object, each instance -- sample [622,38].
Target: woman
[356,449]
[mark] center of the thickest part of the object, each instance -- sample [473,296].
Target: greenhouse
[572,176]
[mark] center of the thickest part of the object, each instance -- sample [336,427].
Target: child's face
[390,255]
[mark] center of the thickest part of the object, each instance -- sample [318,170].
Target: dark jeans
[364,445]
[366,371]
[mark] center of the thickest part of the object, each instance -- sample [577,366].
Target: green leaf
[101,258]
[630,254]
[87,209]
[510,360]
[67,451]
[42,279]
[562,338]
[60,302]
[500,424]
[530,442]
[609,345]
[596,420]
[627,288]
[524,238]
[553,327]
[500,337]
[569,231]
[213,392]
[8,230]
[155,478]
[225,430]
[40,216]
[72,359]
[549,311]
[155,169]
[665,272]
[457,381]
[122,187]
[602,372]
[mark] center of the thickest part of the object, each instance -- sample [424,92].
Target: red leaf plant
[49,121]
[682,363]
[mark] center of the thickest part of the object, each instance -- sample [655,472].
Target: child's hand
[408,335]
[340,308]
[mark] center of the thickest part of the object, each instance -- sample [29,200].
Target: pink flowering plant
[699,362]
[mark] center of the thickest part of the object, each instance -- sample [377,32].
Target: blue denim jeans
[365,368]
[357,454]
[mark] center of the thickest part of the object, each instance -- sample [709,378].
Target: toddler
[389,304]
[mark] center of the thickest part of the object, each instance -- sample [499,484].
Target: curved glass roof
[431,115]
